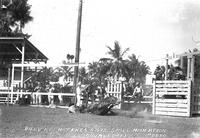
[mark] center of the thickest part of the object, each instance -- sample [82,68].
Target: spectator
[38,89]
[78,95]
[51,97]
[138,91]
[60,97]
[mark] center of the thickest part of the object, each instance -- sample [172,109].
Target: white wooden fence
[115,89]
[172,98]
[11,97]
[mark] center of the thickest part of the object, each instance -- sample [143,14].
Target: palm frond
[125,51]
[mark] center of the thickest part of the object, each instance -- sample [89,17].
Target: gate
[115,89]
[172,98]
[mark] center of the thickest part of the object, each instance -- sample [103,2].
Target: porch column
[22,68]
[192,67]
[189,58]
[181,64]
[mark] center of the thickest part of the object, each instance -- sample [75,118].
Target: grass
[39,122]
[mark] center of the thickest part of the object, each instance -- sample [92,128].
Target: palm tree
[94,70]
[142,71]
[97,72]
[45,75]
[21,12]
[68,57]
[83,75]
[65,71]
[132,63]
[137,70]
[71,57]
[19,15]
[118,66]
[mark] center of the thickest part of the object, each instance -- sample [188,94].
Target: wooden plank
[39,93]
[171,105]
[172,89]
[172,82]
[163,87]
[172,86]
[171,93]
[171,113]
[171,109]
[145,97]
[177,101]
[150,102]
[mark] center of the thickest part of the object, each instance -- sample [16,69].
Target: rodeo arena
[19,59]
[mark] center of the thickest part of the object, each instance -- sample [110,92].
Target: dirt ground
[39,122]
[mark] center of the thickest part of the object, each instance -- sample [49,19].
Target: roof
[10,48]
[190,53]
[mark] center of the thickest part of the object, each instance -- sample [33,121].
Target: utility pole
[0,4]
[78,38]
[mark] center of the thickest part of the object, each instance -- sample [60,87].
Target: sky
[150,28]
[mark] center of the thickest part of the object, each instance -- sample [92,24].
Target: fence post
[154,98]
[12,81]
[189,101]
[121,94]
[17,88]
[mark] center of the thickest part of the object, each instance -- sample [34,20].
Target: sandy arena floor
[39,122]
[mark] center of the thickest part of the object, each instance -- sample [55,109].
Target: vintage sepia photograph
[99,68]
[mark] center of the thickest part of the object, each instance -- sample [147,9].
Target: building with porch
[14,50]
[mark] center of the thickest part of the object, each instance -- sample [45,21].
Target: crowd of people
[84,95]
[38,88]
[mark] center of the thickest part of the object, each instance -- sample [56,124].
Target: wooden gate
[115,89]
[172,98]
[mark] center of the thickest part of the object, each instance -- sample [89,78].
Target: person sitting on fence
[137,93]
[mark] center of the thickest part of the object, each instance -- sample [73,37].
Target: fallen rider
[102,107]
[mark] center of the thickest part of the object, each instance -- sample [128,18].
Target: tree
[133,64]
[118,66]
[20,15]
[70,57]
[98,71]
[83,76]
[65,71]
[44,76]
